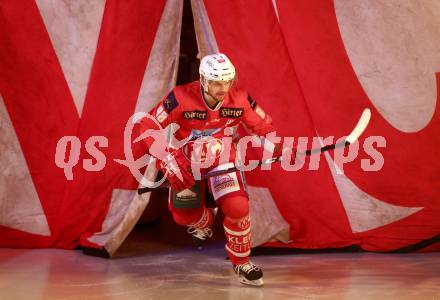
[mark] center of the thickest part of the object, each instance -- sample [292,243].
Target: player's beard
[217,99]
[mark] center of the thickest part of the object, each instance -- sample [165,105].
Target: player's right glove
[177,169]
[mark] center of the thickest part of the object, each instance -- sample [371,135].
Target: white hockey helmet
[216,67]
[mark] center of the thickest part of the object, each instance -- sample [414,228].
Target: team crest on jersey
[198,151]
[231,112]
[170,102]
[195,115]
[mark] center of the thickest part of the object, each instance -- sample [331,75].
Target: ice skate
[201,234]
[249,274]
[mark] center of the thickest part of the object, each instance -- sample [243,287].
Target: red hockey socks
[237,228]
[205,220]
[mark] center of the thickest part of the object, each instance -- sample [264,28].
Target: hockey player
[207,111]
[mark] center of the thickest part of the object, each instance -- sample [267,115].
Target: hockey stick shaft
[351,138]
[260,163]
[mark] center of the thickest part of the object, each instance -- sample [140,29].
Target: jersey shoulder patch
[170,102]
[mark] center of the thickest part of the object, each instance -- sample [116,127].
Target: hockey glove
[177,169]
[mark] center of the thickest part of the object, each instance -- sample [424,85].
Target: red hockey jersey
[185,106]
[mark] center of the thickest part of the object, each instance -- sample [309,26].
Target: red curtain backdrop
[42,111]
[298,68]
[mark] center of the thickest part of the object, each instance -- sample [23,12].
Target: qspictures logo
[209,151]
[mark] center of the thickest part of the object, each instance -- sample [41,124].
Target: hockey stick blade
[360,126]
[350,139]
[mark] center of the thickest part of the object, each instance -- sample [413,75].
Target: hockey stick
[350,139]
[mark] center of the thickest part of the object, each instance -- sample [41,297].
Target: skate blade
[258,282]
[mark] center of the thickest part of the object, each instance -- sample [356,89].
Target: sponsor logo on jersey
[223,182]
[215,121]
[231,112]
[186,194]
[228,122]
[170,102]
[195,114]
[252,102]
[195,134]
